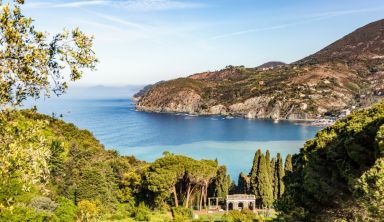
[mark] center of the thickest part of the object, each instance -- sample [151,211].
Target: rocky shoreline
[321,122]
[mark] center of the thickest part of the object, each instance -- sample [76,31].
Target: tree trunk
[188,195]
[175,196]
[201,197]
[206,195]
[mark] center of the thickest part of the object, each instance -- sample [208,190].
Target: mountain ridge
[333,81]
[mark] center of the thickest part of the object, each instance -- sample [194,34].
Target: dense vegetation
[339,175]
[51,170]
[265,180]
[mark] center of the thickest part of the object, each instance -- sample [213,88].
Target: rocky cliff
[346,75]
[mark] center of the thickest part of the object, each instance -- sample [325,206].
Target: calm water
[147,135]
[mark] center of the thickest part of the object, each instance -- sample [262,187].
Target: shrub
[88,211]
[21,214]
[66,210]
[142,213]
[181,213]
[41,203]
[240,216]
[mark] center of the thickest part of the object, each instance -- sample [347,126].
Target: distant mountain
[101,92]
[347,74]
[270,65]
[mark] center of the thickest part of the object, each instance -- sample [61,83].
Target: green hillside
[339,175]
[52,171]
[53,166]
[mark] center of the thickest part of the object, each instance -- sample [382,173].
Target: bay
[232,141]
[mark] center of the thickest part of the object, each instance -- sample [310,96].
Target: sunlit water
[147,135]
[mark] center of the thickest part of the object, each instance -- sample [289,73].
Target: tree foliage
[338,175]
[181,176]
[288,163]
[278,185]
[243,184]
[24,154]
[264,187]
[221,183]
[32,64]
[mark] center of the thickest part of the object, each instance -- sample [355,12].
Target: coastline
[320,122]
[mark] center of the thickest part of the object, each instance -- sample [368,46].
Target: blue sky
[144,41]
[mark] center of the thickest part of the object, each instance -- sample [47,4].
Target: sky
[144,41]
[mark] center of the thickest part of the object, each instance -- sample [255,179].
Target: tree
[243,186]
[163,175]
[264,187]
[288,163]
[278,189]
[254,172]
[272,175]
[281,174]
[232,187]
[339,175]
[31,65]
[221,182]
[267,161]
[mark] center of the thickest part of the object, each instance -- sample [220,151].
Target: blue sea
[117,124]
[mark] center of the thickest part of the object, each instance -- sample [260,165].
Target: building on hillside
[240,201]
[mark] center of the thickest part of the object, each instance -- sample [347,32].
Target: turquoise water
[147,135]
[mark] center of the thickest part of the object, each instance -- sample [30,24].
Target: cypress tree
[288,163]
[272,174]
[276,181]
[243,184]
[232,187]
[267,161]
[221,182]
[279,174]
[254,172]
[264,187]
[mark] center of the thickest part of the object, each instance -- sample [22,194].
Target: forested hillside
[339,175]
[53,171]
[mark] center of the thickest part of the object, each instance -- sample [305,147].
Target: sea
[232,141]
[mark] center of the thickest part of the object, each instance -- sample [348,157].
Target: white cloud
[132,5]
[71,4]
[309,18]
[157,5]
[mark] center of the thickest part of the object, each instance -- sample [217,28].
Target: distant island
[342,77]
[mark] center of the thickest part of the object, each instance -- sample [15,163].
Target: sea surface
[233,141]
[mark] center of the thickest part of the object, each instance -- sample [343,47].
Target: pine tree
[254,172]
[288,163]
[264,187]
